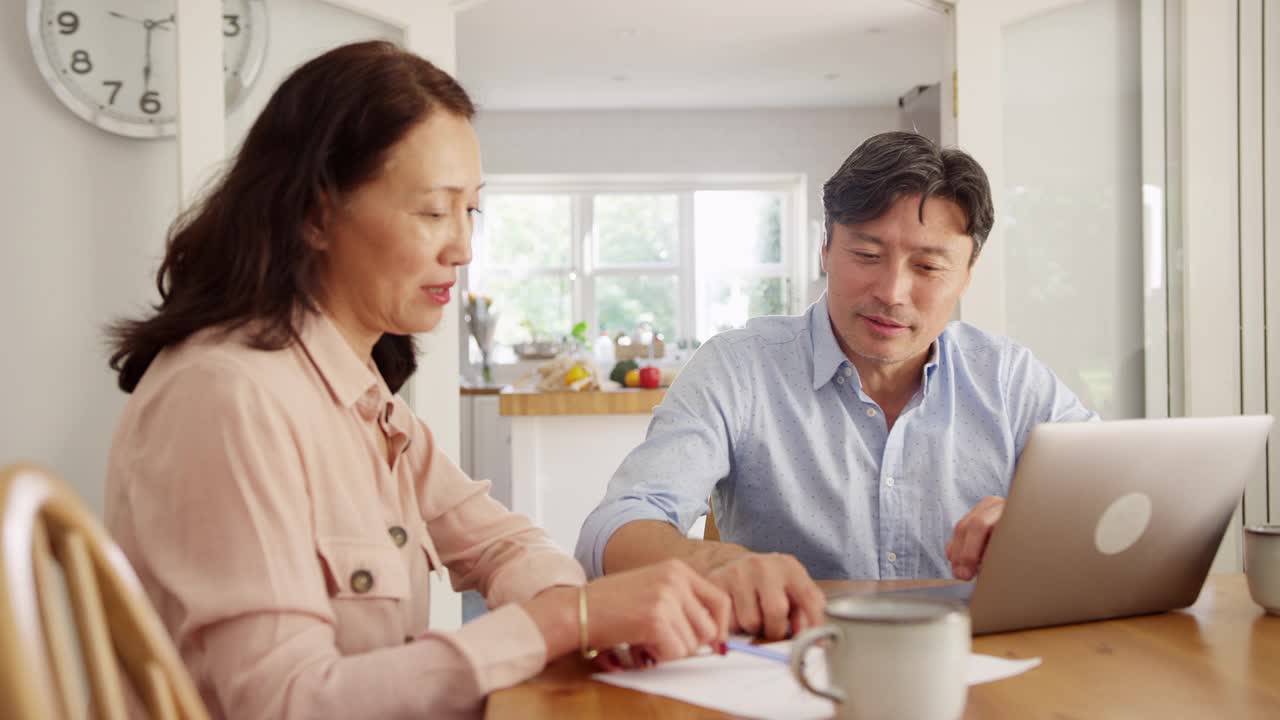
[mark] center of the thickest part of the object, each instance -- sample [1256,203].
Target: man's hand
[969,540]
[768,591]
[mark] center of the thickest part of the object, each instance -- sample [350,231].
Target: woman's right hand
[663,611]
[667,609]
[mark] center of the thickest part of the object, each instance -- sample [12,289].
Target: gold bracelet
[588,653]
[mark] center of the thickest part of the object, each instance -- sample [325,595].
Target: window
[741,273]
[524,260]
[691,259]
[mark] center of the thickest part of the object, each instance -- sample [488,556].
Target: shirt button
[839,381]
[361,581]
[888,481]
[848,371]
[408,639]
[368,405]
[398,535]
[871,412]
[893,556]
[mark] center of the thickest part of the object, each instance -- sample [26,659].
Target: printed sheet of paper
[754,687]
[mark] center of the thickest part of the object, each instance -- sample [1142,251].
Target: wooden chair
[710,531]
[46,527]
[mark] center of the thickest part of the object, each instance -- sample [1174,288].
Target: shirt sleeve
[686,452]
[484,545]
[218,504]
[1036,395]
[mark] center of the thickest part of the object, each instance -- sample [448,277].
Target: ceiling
[610,54]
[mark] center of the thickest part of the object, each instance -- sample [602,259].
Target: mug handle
[800,648]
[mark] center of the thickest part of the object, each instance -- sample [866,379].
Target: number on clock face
[116,58]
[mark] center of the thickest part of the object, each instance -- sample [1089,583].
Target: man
[867,438]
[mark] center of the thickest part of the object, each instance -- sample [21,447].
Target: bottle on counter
[603,351]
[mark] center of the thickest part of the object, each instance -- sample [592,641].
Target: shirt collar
[353,383]
[931,364]
[828,358]
[827,355]
[343,372]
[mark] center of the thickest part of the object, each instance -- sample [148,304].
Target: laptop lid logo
[1122,523]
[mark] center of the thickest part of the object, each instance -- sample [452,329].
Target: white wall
[84,217]
[809,141]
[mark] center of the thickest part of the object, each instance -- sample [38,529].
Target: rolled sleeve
[604,521]
[686,452]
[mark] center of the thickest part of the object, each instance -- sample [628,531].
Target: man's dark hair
[889,165]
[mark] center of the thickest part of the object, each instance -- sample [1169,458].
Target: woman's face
[391,248]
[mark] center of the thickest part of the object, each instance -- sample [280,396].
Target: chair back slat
[53,621]
[119,633]
[159,697]
[91,622]
[710,531]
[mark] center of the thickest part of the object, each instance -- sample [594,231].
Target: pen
[766,653]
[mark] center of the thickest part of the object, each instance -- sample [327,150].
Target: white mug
[1262,565]
[891,658]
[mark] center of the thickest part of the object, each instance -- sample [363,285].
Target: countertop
[481,389]
[632,401]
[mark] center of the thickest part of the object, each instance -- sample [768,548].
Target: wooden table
[1218,659]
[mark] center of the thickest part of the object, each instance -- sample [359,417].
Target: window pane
[631,229]
[730,303]
[530,307]
[1073,208]
[624,301]
[745,225]
[527,230]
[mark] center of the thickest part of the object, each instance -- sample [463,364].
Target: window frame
[583,270]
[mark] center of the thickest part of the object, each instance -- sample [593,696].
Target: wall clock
[112,62]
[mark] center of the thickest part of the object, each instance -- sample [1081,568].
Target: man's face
[893,282]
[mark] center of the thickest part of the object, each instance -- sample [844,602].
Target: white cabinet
[486,444]
[552,468]
[563,464]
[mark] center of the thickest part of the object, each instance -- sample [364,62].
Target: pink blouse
[289,560]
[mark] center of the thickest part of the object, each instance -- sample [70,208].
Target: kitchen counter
[481,389]
[635,401]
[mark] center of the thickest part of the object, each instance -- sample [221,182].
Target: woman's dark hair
[241,254]
[889,165]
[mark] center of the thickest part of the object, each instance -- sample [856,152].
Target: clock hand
[113,13]
[149,26]
[146,67]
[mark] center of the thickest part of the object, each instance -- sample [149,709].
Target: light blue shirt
[771,422]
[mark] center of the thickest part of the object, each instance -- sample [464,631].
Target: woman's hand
[664,611]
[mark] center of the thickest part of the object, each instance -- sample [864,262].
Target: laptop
[1110,519]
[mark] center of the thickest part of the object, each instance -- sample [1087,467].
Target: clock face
[113,62]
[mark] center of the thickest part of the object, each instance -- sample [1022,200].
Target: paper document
[754,687]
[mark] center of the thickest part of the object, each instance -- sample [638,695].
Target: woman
[281,505]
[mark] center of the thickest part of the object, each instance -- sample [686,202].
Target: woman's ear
[316,223]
